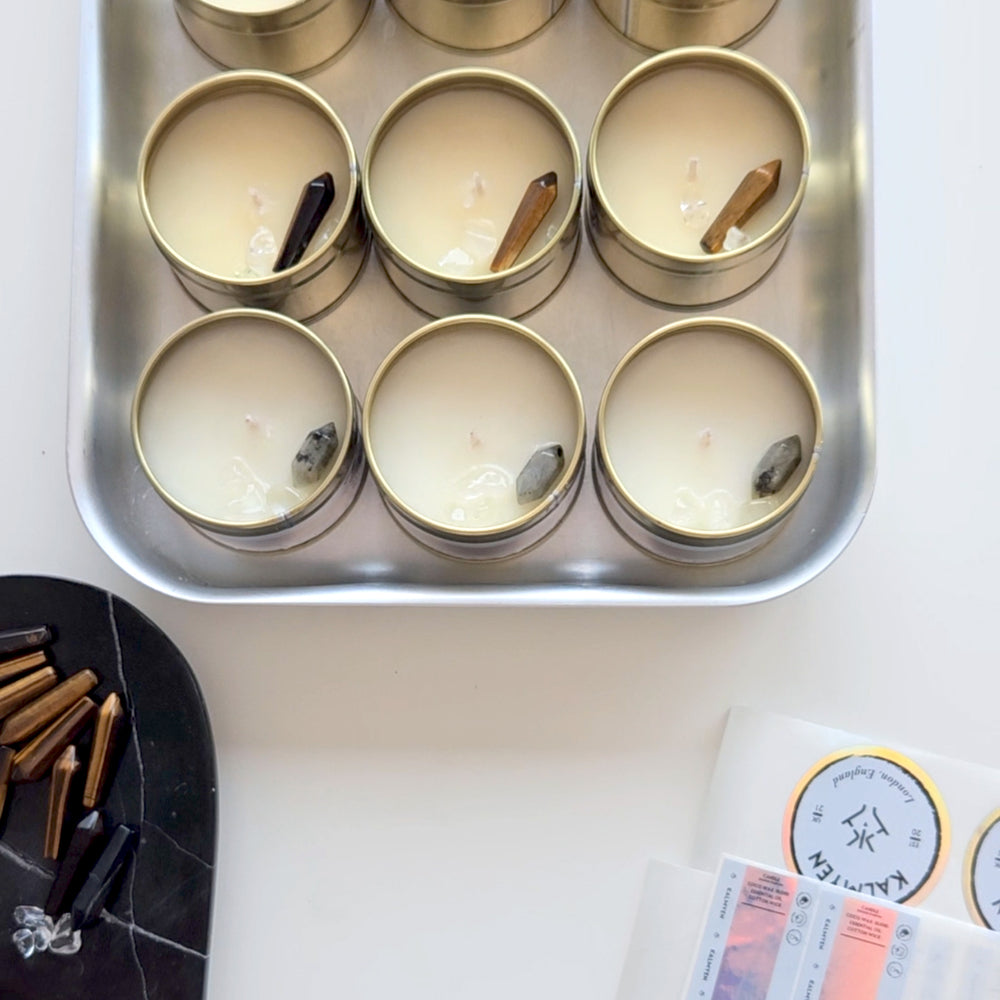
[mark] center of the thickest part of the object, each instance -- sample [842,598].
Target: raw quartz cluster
[36,932]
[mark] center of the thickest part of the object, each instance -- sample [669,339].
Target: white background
[459,803]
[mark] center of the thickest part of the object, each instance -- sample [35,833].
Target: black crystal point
[16,640]
[314,203]
[83,851]
[535,479]
[777,466]
[101,880]
[315,454]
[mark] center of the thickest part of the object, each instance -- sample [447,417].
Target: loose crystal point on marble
[315,454]
[776,467]
[535,479]
[314,202]
[65,940]
[84,849]
[102,877]
[16,640]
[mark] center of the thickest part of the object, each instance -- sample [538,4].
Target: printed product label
[982,874]
[868,820]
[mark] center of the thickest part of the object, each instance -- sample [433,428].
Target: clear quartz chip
[65,940]
[480,240]
[735,238]
[43,935]
[29,916]
[24,941]
[694,210]
[262,252]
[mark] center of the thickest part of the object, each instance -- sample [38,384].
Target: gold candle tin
[327,501]
[287,37]
[696,278]
[651,531]
[328,269]
[535,275]
[477,25]
[669,24]
[447,396]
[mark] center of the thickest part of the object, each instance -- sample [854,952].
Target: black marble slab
[151,942]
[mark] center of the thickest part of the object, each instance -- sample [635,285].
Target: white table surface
[459,803]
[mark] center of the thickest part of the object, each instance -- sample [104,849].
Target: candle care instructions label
[771,934]
[774,935]
[881,821]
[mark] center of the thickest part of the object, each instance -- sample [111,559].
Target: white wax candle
[673,149]
[449,174]
[226,179]
[253,6]
[225,412]
[689,418]
[459,414]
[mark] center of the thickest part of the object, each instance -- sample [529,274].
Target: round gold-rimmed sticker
[981,873]
[868,819]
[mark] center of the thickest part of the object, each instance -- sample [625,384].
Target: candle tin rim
[321,490]
[472,78]
[711,56]
[707,536]
[574,455]
[284,18]
[248,81]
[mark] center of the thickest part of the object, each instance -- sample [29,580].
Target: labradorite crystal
[776,467]
[315,454]
[535,479]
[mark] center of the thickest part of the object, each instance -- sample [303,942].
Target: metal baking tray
[136,57]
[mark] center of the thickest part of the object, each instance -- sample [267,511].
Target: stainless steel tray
[818,299]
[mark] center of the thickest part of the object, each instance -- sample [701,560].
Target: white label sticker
[867,822]
[984,875]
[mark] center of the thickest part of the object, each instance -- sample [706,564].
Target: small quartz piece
[537,477]
[262,252]
[776,467]
[735,239]
[65,940]
[43,935]
[24,941]
[29,916]
[314,202]
[694,209]
[315,454]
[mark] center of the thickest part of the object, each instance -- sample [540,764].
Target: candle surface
[449,175]
[225,412]
[224,183]
[673,149]
[459,415]
[253,6]
[688,419]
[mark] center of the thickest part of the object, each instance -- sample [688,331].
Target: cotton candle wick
[314,202]
[754,191]
[538,198]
